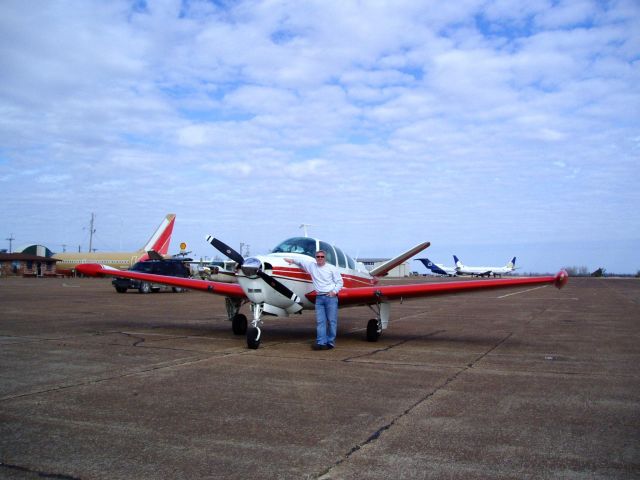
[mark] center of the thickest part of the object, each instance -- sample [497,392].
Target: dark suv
[169,267]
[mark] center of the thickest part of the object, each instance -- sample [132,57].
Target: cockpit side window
[303,245]
[331,255]
[351,262]
[341,261]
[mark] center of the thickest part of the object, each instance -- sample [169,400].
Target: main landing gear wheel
[144,287]
[253,337]
[239,324]
[373,330]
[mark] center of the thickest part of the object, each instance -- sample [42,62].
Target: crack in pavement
[393,345]
[93,381]
[326,475]
[40,473]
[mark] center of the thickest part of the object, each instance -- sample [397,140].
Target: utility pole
[91,232]
[11,239]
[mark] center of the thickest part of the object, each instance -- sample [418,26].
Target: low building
[401,270]
[27,265]
[35,249]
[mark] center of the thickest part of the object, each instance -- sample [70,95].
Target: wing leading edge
[386,267]
[219,288]
[385,293]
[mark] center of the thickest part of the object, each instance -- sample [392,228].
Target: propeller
[255,265]
[226,249]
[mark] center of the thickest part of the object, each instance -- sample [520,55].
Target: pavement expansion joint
[375,435]
[326,475]
[483,355]
[95,380]
[393,345]
[39,473]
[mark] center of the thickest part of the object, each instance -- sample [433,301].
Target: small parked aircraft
[484,271]
[273,287]
[216,270]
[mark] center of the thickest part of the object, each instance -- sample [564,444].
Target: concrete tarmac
[516,384]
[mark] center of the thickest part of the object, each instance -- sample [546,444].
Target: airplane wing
[388,293]
[219,288]
[386,267]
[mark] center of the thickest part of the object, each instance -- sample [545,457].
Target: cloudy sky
[490,128]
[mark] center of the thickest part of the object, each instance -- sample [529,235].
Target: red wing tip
[562,277]
[90,269]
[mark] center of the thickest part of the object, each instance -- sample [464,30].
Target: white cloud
[53,179]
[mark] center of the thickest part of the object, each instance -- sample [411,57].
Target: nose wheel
[253,337]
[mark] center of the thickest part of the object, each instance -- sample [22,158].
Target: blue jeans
[326,319]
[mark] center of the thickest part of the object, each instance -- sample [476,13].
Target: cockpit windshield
[303,245]
[307,246]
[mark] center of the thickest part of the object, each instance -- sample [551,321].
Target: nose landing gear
[254,334]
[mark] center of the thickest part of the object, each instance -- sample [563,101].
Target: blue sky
[490,128]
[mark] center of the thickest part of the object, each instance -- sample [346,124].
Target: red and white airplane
[273,287]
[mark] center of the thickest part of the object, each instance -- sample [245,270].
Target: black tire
[121,289]
[177,289]
[373,332]
[253,337]
[239,324]
[144,287]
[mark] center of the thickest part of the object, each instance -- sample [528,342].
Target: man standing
[327,282]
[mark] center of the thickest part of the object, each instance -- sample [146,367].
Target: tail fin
[383,269]
[161,238]
[432,266]
[512,263]
[425,261]
[457,261]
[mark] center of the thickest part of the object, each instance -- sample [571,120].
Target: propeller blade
[225,249]
[278,286]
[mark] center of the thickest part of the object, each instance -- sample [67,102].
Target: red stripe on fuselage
[297,274]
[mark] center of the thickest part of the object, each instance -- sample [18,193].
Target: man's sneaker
[329,346]
[317,346]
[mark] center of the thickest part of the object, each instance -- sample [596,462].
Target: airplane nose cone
[251,266]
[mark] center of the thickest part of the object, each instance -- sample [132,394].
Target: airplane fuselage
[483,271]
[294,278]
[120,260]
